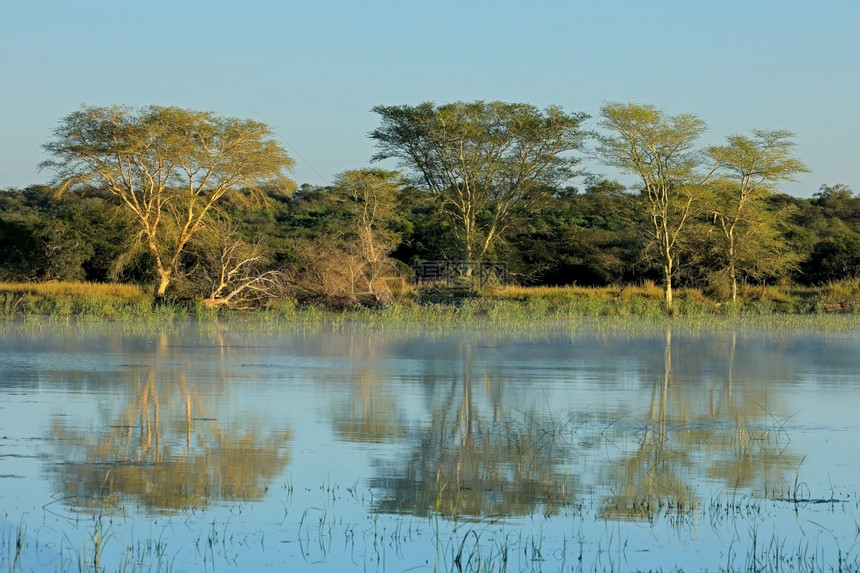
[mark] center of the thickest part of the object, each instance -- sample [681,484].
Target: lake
[341,447]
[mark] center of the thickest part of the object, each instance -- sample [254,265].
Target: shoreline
[126,301]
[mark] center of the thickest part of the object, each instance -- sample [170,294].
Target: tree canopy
[481,159]
[659,150]
[749,167]
[170,167]
[201,206]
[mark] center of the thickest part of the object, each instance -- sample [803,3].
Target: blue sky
[313,70]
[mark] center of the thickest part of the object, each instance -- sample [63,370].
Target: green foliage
[43,237]
[588,238]
[171,169]
[344,259]
[827,228]
[482,160]
[751,244]
[834,259]
[659,151]
[490,181]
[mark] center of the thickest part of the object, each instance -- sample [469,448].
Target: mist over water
[201,448]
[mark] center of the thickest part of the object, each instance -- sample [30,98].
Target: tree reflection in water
[477,457]
[370,415]
[166,450]
[680,442]
[473,435]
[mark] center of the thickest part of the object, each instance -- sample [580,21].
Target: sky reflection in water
[318,448]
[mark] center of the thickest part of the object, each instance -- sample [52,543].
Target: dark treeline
[350,242]
[588,237]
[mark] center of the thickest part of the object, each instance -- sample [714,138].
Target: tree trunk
[162,273]
[163,281]
[667,278]
[469,256]
[734,276]
[732,268]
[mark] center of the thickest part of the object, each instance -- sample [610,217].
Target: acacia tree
[749,168]
[350,263]
[371,195]
[658,149]
[170,167]
[482,160]
[228,271]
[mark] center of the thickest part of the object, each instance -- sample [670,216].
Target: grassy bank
[841,297]
[511,305]
[81,300]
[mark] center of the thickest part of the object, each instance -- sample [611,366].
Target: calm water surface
[225,449]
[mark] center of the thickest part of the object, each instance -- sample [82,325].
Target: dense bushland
[195,207]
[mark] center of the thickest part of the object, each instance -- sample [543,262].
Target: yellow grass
[75,288]
[648,290]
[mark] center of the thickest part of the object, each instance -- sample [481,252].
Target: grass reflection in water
[589,452]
